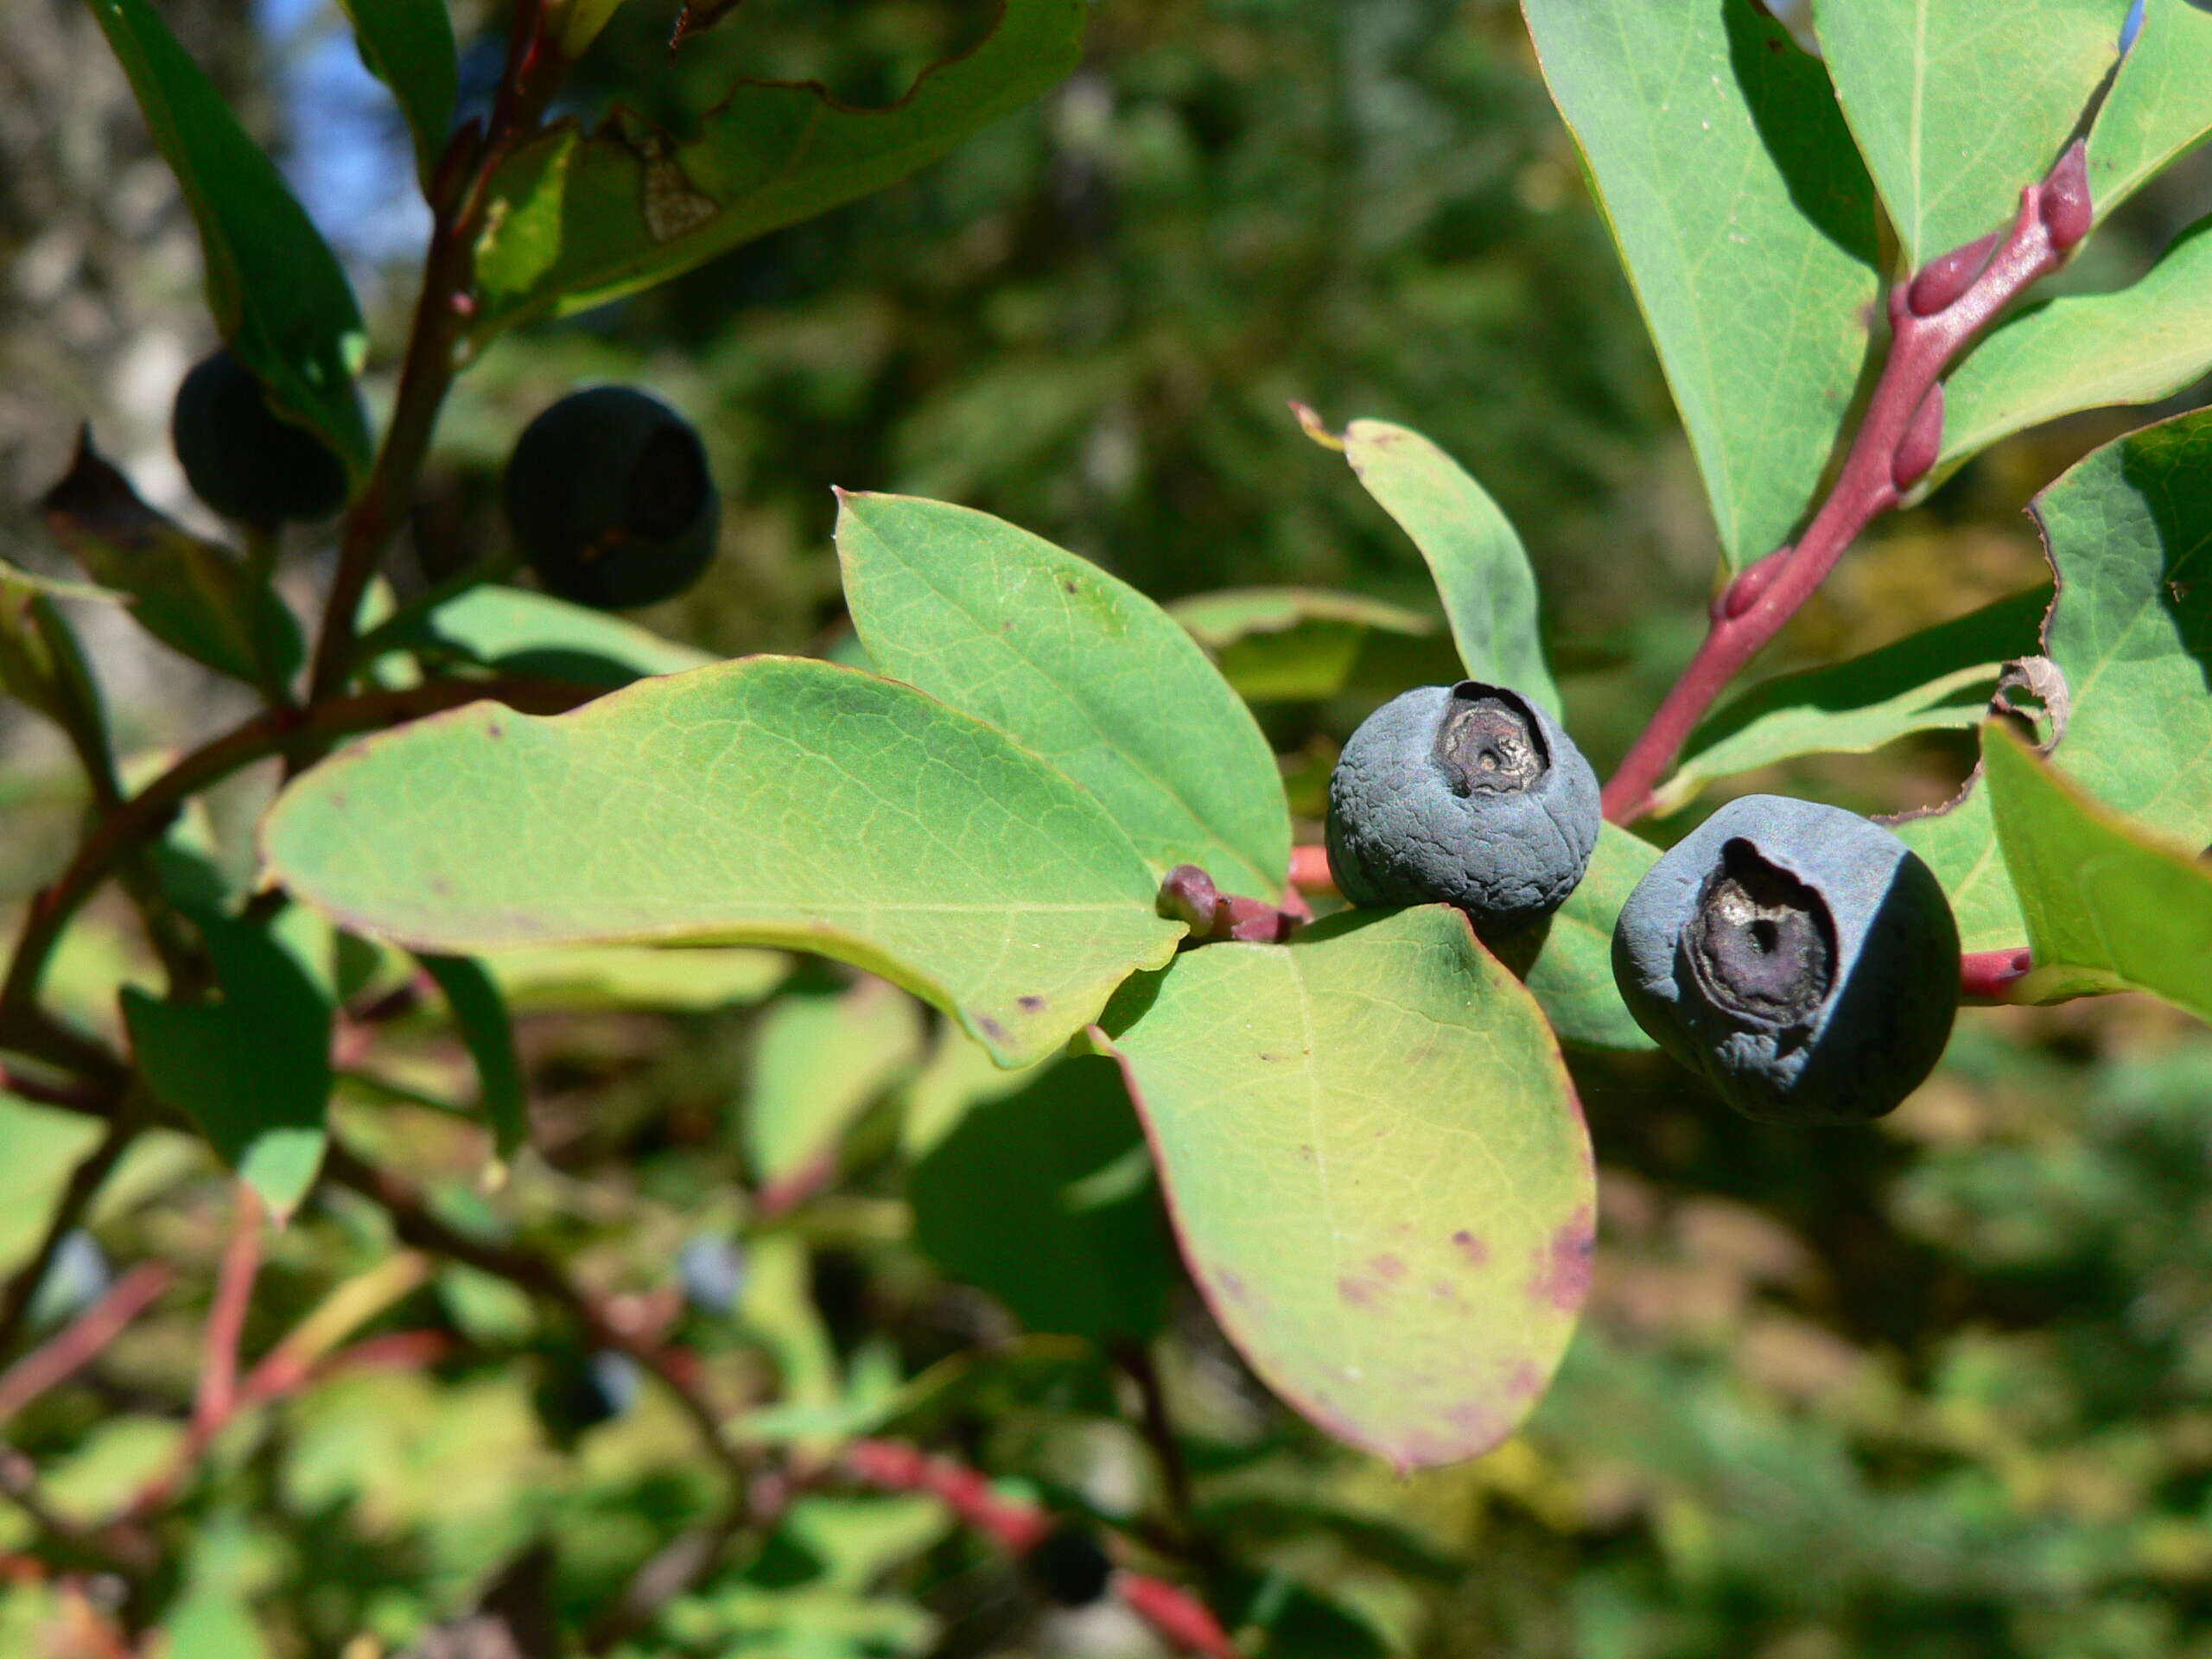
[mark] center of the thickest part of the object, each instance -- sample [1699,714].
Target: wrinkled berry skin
[1801,959]
[1467,795]
[243,459]
[610,500]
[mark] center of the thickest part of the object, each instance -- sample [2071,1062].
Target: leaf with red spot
[1378,1171]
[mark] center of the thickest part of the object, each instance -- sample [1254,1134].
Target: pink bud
[1923,442]
[2067,212]
[1943,281]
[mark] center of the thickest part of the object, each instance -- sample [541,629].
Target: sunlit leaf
[1957,104]
[2108,908]
[1572,973]
[1480,566]
[766,801]
[1747,224]
[1378,1171]
[2160,103]
[1077,665]
[2128,531]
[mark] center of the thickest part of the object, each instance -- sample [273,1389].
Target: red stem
[218,1365]
[1932,318]
[1310,872]
[1174,1613]
[82,1343]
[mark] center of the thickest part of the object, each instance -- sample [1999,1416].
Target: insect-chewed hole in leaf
[668,485]
[1762,945]
[1489,741]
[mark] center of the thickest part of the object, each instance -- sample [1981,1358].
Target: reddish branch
[1932,317]
[218,1365]
[84,1341]
[1990,975]
[1177,1615]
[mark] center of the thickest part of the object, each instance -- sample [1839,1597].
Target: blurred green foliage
[1939,1390]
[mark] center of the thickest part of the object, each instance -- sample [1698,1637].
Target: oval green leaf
[1480,568]
[766,801]
[1077,665]
[2108,908]
[2131,634]
[1572,973]
[1747,224]
[277,291]
[1378,1171]
[2133,347]
[1957,104]
[818,1062]
[2160,104]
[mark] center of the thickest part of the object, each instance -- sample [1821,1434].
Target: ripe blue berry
[610,500]
[243,459]
[1468,795]
[1801,959]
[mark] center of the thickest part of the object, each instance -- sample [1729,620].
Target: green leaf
[818,1062]
[1572,973]
[2160,104]
[1292,644]
[1958,105]
[481,1014]
[43,1147]
[577,220]
[2128,529]
[2107,906]
[277,291]
[1044,1198]
[675,977]
[409,46]
[1747,224]
[196,598]
[1378,1171]
[1079,666]
[1940,678]
[2133,347]
[1480,568]
[252,1067]
[523,633]
[766,801]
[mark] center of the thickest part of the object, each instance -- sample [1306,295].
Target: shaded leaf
[2133,347]
[1077,665]
[1957,104]
[770,800]
[818,1062]
[635,977]
[409,46]
[252,1067]
[1480,568]
[576,219]
[277,292]
[1044,1198]
[1282,645]
[1377,1169]
[2108,906]
[2129,531]
[481,1013]
[519,632]
[2160,103]
[1940,678]
[1747,224]
[196,598]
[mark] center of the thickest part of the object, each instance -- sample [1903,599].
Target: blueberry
[610,500]
[1069,1567]
[1803,959]
[1468,795]
[242,458]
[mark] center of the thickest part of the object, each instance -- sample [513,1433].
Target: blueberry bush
[980,1131]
